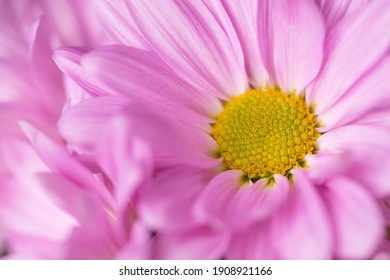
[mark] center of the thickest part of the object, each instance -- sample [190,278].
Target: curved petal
[137,247]
[367,147]
[226,202]
[167,204]
[125,158]
[292,34]
[45,73]
[370,94]
[358,221]
[144,77]
[334,10]
[81,124]
[198,243]
[74,21]
[326,165]
[252,244]
[68,60]
[243,15]
[357,137]
[116,21]
[303,227]
[196,39]
[350,53]
[94,237]
[60,161]
[27,210]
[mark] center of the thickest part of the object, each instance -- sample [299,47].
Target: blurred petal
[125,158]
[198,244]
[302,229]
[167,204]
[226,202]
[253,244]
[28,210]
[137,247]
[93,237]
[45,73]
[68,60]
[367,147]
[335,10]
[358,222]
[59,161]
[82,123]
[369,94]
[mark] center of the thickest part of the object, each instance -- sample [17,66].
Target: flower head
[266,123]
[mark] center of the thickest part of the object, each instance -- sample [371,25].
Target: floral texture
[199,130]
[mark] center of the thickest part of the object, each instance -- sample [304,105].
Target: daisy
[279,117]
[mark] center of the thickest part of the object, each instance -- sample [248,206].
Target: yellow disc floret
[265,132]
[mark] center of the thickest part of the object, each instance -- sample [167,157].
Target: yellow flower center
[265,132]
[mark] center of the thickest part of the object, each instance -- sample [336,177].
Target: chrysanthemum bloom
[285,114]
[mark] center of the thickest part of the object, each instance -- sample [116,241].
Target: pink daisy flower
[279,113]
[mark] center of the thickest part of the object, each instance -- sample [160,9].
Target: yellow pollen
[265,132]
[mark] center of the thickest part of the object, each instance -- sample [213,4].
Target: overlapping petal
[291,36]
[228,203]
[350,53]
[196,39]
[358,221]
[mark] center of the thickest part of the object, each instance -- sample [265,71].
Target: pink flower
[312,188]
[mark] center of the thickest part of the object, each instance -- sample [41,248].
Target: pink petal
[167,204]
[358,222]
[59,161]
[246,29]
[350,53]
[292,35]
[116,20]
[358,137]
[74,22]
[144,77]
[28,247]
[252,244]
[47,76]
[199,243]
[137,246]
[125,158]
[334,10]
[367,147]
[94,236]
[369,94]
[226,202]
[27,209]
[326,165]
[302,229]
[82,123]
[196,39]
[68,60]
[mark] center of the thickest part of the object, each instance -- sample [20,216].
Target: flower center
[265,132]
